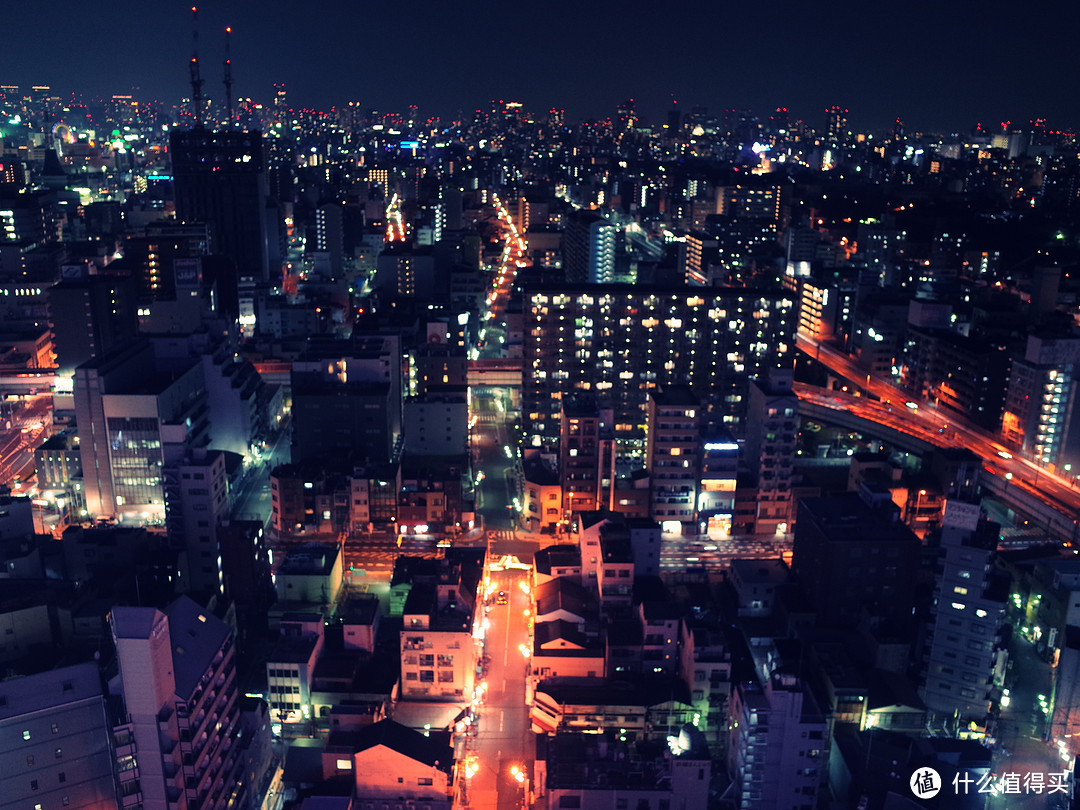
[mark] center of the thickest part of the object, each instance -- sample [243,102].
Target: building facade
[181,706]
[56,743]
[620,341]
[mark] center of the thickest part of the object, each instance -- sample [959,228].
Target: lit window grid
[653,339]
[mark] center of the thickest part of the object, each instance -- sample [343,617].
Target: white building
[137,416]
[438,651]
[290,668]
[778,745]
[392,764]
[177,680]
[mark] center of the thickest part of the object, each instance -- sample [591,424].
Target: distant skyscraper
[836,120]
[220,179]
[626,116]
[280,103]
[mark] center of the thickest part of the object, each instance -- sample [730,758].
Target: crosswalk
[495,535]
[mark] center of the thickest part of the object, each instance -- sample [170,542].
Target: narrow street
[504,740]
[1021,729]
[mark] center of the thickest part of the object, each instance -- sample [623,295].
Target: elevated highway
[1048,500]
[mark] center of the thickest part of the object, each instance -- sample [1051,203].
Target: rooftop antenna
[196,80]
[228,76]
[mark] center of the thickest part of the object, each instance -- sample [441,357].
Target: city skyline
[584,60]
[515,464]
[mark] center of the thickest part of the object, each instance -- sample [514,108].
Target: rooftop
[47,690]
[625,690]
[433,750]
[197,636]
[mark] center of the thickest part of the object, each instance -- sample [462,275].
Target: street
[504,740]
[1021,728]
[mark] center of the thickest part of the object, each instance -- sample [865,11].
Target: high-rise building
[137,415]
[673,455]
[280,103]
[968,612]
[620,341]
[719,476]
[770,448]
[57,742]
[580,453]
[589,249]
[330,235]
[220,179]
[89,317]
[962,374]
[750,202]
[367,366]
[836,121]
[331,417]
[437,423]
[697,254]
[180,705]
[779,747]
[197,500]
[1042,402]
[626,116]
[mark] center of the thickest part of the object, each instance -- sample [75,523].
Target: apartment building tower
[620,341]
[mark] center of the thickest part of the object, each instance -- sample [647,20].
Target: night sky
[941,65]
